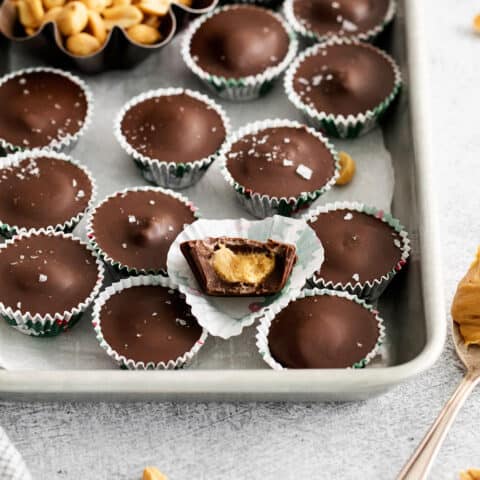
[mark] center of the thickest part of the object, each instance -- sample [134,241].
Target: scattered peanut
[471,474]
[347,168]
[152,473]
[144,34]
[96,26]
[123,16]
[154,7]
[73,18]
[83,44]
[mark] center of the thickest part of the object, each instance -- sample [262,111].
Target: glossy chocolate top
[40,107]
[322,332]
[344,79]
[174,128]
[46,274]
[42,192]
[238,42]
[137,228]
[340,17]
[149,324]
[358,247]
[281,162]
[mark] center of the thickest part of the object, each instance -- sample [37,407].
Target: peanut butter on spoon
[466,304]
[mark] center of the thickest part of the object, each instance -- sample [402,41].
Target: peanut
[124,16]
[476,24]
[97,5]
[83,44]
[347,168]
[26,16]
[154,7]
[52,14]
[73,18]
[118,3]
[48,4]
[152,473]
[152,21]
[30,31]
[36,9]
[187,3]
[96,26]
[144,34]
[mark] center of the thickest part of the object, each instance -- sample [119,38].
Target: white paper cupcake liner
[340,126]
[50,324]
[116,266]
[237,89]
[67,142]
[310,36]
[132,364]
[226,317]
[261,205]
[69,224]
[371,289]
[155,170]
[263,328]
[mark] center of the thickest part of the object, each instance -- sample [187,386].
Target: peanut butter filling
[466,304]
[251,268]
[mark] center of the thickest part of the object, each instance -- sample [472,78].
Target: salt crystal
[356,277]
[132,219]
[397,243]
[181,322]
[152,202]
[304,171]
[19,305]
[317,80]
[42,278]
[124,245]
[348,216]
[287,162]
[349,26]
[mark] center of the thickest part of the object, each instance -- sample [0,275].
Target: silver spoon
[419,465]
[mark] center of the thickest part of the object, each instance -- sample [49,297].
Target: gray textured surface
[273,441]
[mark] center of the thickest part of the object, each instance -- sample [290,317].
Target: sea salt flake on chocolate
[348,216]
[42,278]
[287,162]
[19,305]
[397,243]
[132,219]
[349,26]
[356,277]
[304,171]
[317,80]
[124,245]
[181,322]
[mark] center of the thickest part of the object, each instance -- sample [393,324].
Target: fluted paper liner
[262,205]
[115,265]
[52,324]
[341,126]
[155,170]
[131,363]
[227,316]
[69,224]
[238,89]
[312,36]
[370,289]
[66,142]
[263,328]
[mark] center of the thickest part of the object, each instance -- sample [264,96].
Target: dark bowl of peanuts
[96,35]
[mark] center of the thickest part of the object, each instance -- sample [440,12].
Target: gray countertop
[290,441]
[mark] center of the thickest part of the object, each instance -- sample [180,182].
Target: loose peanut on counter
[471,474]
[144,34]
[124,16]
[83,44]
[476,24]
[152,473]
[73,18]
[347,168]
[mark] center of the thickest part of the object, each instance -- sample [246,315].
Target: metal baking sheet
[412,306]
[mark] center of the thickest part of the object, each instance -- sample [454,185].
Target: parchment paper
[113,170]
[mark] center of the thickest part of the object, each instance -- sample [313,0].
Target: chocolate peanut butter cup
[364,248]
[145,323]
[278,166]
[133,229]
[47,280]
[318,20]
[42,107]
[172,134]
[43,189]
[321,329]
[239,50]
[342,86]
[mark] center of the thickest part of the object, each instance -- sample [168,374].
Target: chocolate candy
[46,274]
[322,332]
[345,79]
[341,17]
[149,324]
[39,108]
[358,247]
[41,192]
[240,41]
[238,266]
[281,161]
[136,228]
[174,128]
